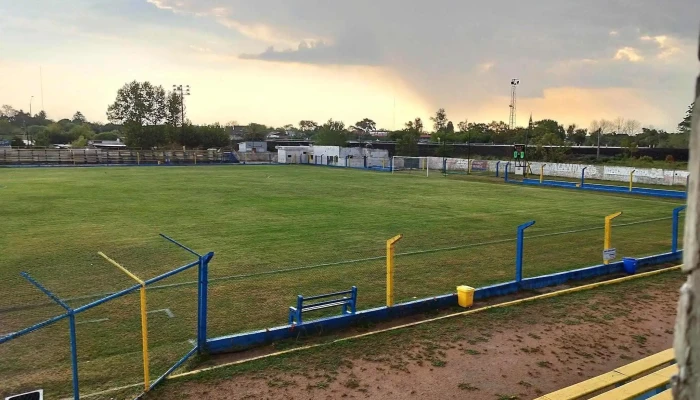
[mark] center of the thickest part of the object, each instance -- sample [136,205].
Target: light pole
[183,90]
[24,120]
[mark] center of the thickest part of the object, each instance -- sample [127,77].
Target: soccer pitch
[277,231]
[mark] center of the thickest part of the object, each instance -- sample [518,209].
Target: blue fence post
[444,166]
[202,297]
[346,161]
[74,354]
[674,234]
[71,325]
[519,250]
[365,161]
[583,175]
[498,164]
[506,172]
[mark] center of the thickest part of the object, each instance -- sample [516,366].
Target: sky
[280,61]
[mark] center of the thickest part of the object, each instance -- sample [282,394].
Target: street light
[24,120]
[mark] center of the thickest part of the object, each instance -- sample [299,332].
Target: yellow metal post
[469,166]
[608,232]
[390,269]
[542,173]
[144,320]
[631,177]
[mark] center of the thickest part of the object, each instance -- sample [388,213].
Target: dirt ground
[512,353]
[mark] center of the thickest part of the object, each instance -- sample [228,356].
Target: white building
[294,155]
[333,155]
[252,147]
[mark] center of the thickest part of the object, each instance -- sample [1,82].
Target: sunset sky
[280,61]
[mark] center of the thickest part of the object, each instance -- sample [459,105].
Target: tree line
[147,116]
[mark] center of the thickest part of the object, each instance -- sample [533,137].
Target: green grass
[265,219]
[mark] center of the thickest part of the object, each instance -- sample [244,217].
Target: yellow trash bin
[465,296]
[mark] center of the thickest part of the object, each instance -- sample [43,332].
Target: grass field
[265,219]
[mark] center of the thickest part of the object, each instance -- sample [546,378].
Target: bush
[17,142]
[670,159]
[107,136]
[646,159]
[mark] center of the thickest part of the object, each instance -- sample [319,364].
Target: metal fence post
[506,172]
[607,239]
[631,178]
[71,326]
[674,230]
[390,269]
[498,165]
[519,250]
[583,175]
[542,173]
[202,297]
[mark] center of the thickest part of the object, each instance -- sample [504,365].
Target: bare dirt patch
[510,353]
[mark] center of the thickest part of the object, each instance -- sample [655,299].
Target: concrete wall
[656,176]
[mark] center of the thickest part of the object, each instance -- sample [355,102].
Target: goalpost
[411,165]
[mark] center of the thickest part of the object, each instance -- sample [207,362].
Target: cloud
[629,54]
[451,53]
[486,67]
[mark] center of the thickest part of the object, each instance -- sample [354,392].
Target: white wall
[656,176]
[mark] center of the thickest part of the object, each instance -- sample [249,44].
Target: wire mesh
[109,345]
[546,253]
[38,360]
[250,290]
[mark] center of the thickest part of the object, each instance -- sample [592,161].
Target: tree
[79,118]
[113,135]
[173,109]
[332,133]
[41,116]
[463,125]
[407,139]
[307,126]
[684,126]
[7,111]
[255,132]
[80,142]
[439,120]
[138,104]
[213,136]
[79,131]
[41,139]
[366,125]
[450,129]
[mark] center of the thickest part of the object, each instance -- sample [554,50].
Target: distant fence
[654,176]
[47,157]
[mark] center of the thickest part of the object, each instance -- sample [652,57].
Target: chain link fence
[251,290]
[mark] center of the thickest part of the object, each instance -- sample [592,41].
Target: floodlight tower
[513,102]
[182,90]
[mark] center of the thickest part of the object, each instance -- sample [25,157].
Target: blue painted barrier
[672,194]
[256,338]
